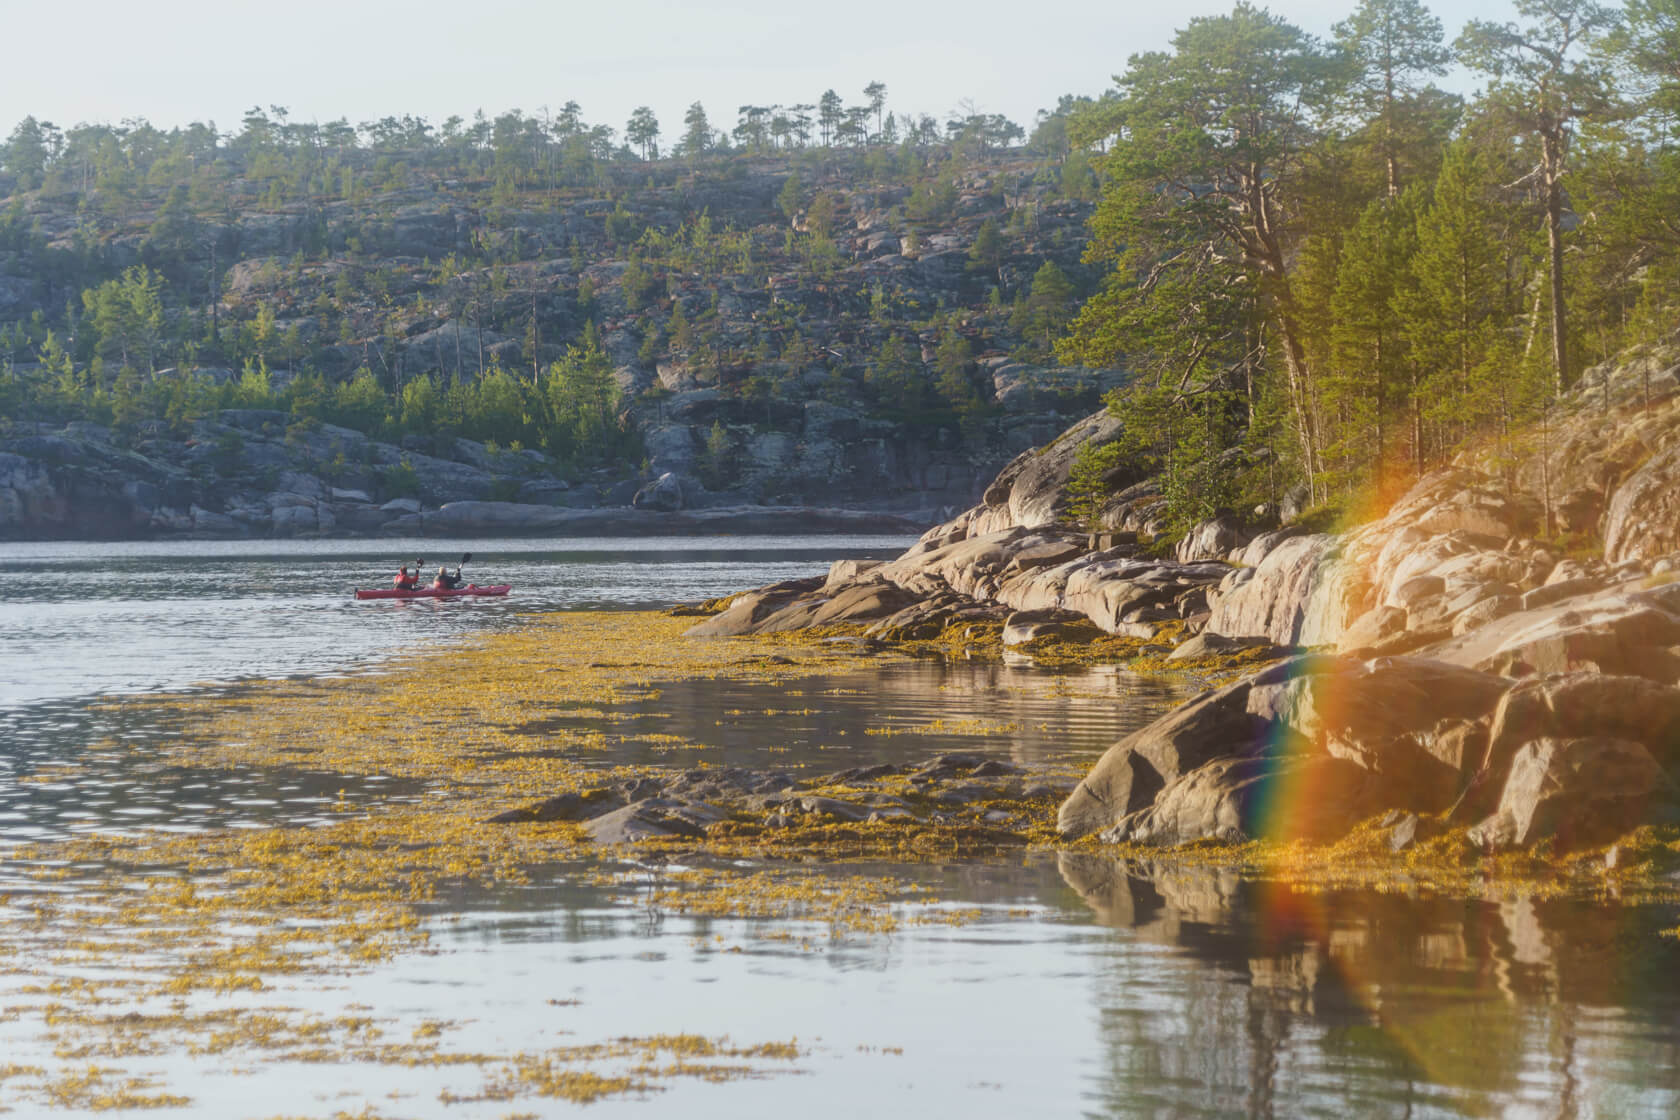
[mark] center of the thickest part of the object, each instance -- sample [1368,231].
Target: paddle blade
[465,556]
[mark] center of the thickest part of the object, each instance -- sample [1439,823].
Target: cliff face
[1465,669]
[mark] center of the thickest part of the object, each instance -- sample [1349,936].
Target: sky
[176,61]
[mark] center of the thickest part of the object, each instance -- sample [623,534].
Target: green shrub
[400,480]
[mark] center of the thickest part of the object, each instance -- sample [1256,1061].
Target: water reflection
[1273,1002]
[902,713]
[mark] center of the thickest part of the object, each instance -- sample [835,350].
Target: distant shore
[468,520]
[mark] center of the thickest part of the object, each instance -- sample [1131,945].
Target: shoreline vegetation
[156,941]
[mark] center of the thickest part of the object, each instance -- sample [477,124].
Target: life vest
[404,581]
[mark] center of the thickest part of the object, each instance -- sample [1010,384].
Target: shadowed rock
[1132,772]
[1237,799]
[1574,792]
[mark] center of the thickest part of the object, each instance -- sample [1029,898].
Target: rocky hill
[1495,661]
[820,328]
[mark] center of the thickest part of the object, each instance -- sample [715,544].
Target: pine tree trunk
[1417,429]
[1554,246]
[1377,475]
[1265,251]
[1295,365]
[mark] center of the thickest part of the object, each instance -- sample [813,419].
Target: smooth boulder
[1133,771]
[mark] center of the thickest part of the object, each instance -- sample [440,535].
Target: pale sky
[175,61]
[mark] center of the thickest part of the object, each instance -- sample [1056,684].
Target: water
[83,618]
[1080,986]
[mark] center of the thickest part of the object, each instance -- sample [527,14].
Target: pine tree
[697,131]
[582,398]
[951,362]
[830,110]
[1543,83]
[1049,304]
[680,332]
[876,92]
[1366,365]
[643,130]
[1205,151]
[896,376]
[986,254]
[1450,313]
[1391,43]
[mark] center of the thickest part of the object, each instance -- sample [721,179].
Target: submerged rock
[566,807]
[698,803]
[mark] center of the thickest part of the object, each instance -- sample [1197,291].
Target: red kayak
[434,592]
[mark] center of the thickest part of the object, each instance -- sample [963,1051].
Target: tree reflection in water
[1265,1001]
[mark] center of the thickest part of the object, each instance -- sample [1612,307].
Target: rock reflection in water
[1357,1003]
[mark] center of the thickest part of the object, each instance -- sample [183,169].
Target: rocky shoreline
[248,475]
[1450,669]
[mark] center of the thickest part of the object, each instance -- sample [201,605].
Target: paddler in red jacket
[445,581]
[406,581]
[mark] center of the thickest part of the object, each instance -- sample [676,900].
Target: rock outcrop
[1538,703]
[1467,675]
[253,473]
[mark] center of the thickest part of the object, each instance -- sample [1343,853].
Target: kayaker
[445,581]
[405,580]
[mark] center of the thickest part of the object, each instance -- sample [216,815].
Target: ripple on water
[64,784]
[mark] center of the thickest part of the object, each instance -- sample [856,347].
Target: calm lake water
[81,618]
[1084,987]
